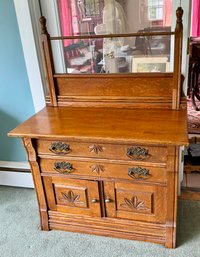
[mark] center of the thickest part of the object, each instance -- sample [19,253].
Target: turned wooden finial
[43,24]
[179,21]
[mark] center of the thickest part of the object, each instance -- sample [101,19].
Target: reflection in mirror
[116,55]
[87,17]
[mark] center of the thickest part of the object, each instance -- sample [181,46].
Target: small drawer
[157,154]
[104,170]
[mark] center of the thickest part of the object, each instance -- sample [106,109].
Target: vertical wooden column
[177,59]
[172,195]
[38,183]
[48,58]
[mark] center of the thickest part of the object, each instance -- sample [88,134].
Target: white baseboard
[15,174]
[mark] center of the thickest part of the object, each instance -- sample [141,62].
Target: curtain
[196,18]
[66,20]
[167,17]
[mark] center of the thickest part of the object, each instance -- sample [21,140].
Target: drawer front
[99,150]
[135,202]
[105,170]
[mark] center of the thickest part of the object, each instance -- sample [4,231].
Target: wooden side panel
[35,169]
[172,189]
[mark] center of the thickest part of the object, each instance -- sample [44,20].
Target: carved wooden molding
[70,198]
[134,204]
[95,148]
[97,168]
[30,150]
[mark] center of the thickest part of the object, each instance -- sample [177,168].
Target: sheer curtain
[196,18]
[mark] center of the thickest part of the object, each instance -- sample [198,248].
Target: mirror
[121,54]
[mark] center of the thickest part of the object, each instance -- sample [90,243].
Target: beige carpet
[20,235]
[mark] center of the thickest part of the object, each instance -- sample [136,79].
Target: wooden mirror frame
[132,90]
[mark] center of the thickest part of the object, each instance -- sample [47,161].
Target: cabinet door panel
[72,196]
[136,202]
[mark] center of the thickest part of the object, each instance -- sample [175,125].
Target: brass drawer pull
[63,167]
[138,153]
[60,148]
[139,173]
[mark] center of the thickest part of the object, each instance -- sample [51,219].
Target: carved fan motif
[97,168]
[95,148]
[70,198]
[134,204]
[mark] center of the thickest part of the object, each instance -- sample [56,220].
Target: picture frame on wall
[150,64]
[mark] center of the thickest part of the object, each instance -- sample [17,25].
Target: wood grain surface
[144,126]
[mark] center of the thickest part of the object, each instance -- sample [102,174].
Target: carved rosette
[134,204]
[70,198]
[95,148]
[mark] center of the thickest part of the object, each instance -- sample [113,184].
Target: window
[155,9]
[92,8]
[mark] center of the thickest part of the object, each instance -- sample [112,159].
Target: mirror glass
[121,54]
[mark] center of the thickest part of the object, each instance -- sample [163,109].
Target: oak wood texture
[136,202]
[102,150]
[102,169]
[153,89]
[104,153]
[129,229]
[72,196]
[35,169]
[152,126]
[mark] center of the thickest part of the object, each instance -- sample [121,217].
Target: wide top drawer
[132,152]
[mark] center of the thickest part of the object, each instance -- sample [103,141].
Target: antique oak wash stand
[104,152]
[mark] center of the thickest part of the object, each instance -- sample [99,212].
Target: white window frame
[158,11]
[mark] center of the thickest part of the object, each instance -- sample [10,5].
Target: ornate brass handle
[63,167]
[59,148]
[139,173]
[138,153]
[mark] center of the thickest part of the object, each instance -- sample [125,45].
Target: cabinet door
[135,202]
[72,196]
